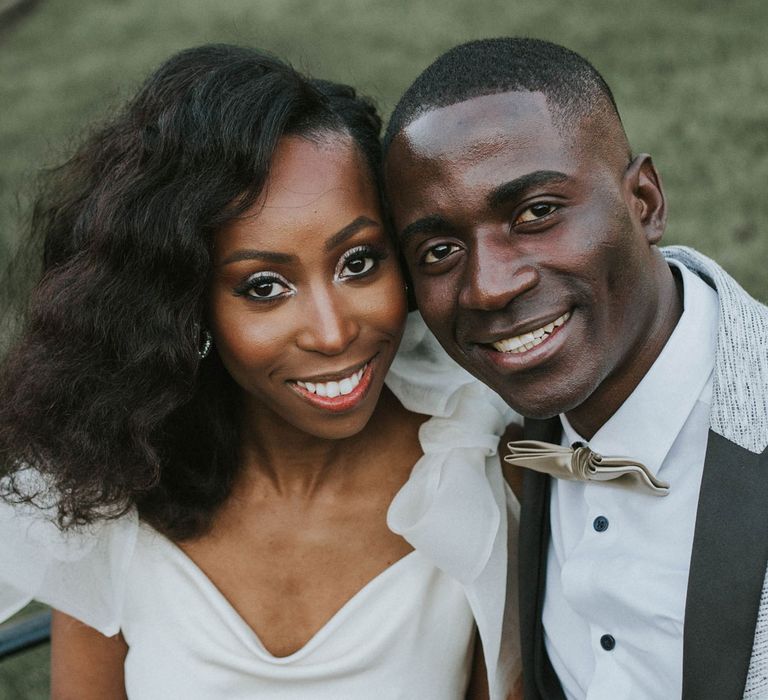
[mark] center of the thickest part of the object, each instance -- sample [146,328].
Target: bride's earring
[205,350]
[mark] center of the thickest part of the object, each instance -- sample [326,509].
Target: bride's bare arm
[85,665]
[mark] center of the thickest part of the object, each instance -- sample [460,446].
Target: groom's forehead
[479,119]
[471,148]
[512,131]
[504,135]
[474,127]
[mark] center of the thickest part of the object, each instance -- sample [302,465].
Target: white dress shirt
[618,560]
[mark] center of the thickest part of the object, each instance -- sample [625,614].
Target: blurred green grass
[26,675]
[690,78]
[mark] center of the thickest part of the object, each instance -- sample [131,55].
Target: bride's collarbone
[287,574]
[288,563]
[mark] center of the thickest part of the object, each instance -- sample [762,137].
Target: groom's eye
[535,212]
[438,252]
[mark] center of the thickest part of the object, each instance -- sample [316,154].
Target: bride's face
[307,302]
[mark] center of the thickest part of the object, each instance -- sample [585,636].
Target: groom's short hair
[571,84]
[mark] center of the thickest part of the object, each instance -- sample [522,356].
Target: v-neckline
[247,632]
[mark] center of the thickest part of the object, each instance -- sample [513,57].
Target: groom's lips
[527,347]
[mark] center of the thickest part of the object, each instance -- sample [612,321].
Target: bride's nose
[329,324]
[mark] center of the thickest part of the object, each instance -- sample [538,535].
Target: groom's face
[523,247]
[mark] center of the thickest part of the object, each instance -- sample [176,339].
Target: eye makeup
[261,287]
[360,261]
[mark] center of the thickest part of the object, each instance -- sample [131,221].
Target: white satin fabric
[407,634]
[81,572]
[455,510]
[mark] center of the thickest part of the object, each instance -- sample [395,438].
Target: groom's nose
[496,272]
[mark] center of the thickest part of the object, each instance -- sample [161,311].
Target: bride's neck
[279,458]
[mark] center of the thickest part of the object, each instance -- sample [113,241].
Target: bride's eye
[359,266]
[359,262]
[265,287]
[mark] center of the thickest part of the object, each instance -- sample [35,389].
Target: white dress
[407,634]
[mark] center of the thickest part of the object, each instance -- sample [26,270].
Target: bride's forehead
[301,170]
[314,190]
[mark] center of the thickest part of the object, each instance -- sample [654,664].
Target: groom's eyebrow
[499,196]
[425,226]
[515,189]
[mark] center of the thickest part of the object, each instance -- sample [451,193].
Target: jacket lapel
[539,679]
[728,567]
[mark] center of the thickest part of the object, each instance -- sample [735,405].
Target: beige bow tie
[579,463]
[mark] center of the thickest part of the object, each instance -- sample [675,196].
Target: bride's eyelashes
[356,263]
[360,261]
[265,286]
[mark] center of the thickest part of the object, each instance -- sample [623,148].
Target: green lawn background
[690,78]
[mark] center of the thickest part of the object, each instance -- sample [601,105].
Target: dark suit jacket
[728,569]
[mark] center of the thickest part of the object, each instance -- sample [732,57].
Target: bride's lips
[358,381]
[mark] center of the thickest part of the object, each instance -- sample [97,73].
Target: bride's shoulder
[80,570]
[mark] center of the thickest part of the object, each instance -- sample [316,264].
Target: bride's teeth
[531,339]
[333,389]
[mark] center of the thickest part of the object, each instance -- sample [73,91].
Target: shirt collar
[648,422]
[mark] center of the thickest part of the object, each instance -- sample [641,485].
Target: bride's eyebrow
[348,231]
[269,256]
[263,255]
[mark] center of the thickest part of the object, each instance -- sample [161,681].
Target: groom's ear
[644,193]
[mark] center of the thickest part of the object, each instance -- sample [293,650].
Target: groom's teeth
[526,341]
[334,389]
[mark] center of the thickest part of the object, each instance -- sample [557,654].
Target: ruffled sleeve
[80,571]
[456,508]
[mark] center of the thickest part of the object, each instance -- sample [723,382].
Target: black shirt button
[607,642]
[600,523]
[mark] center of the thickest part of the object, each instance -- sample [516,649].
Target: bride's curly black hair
[103,392]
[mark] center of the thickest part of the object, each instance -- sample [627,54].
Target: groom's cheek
[436,300]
